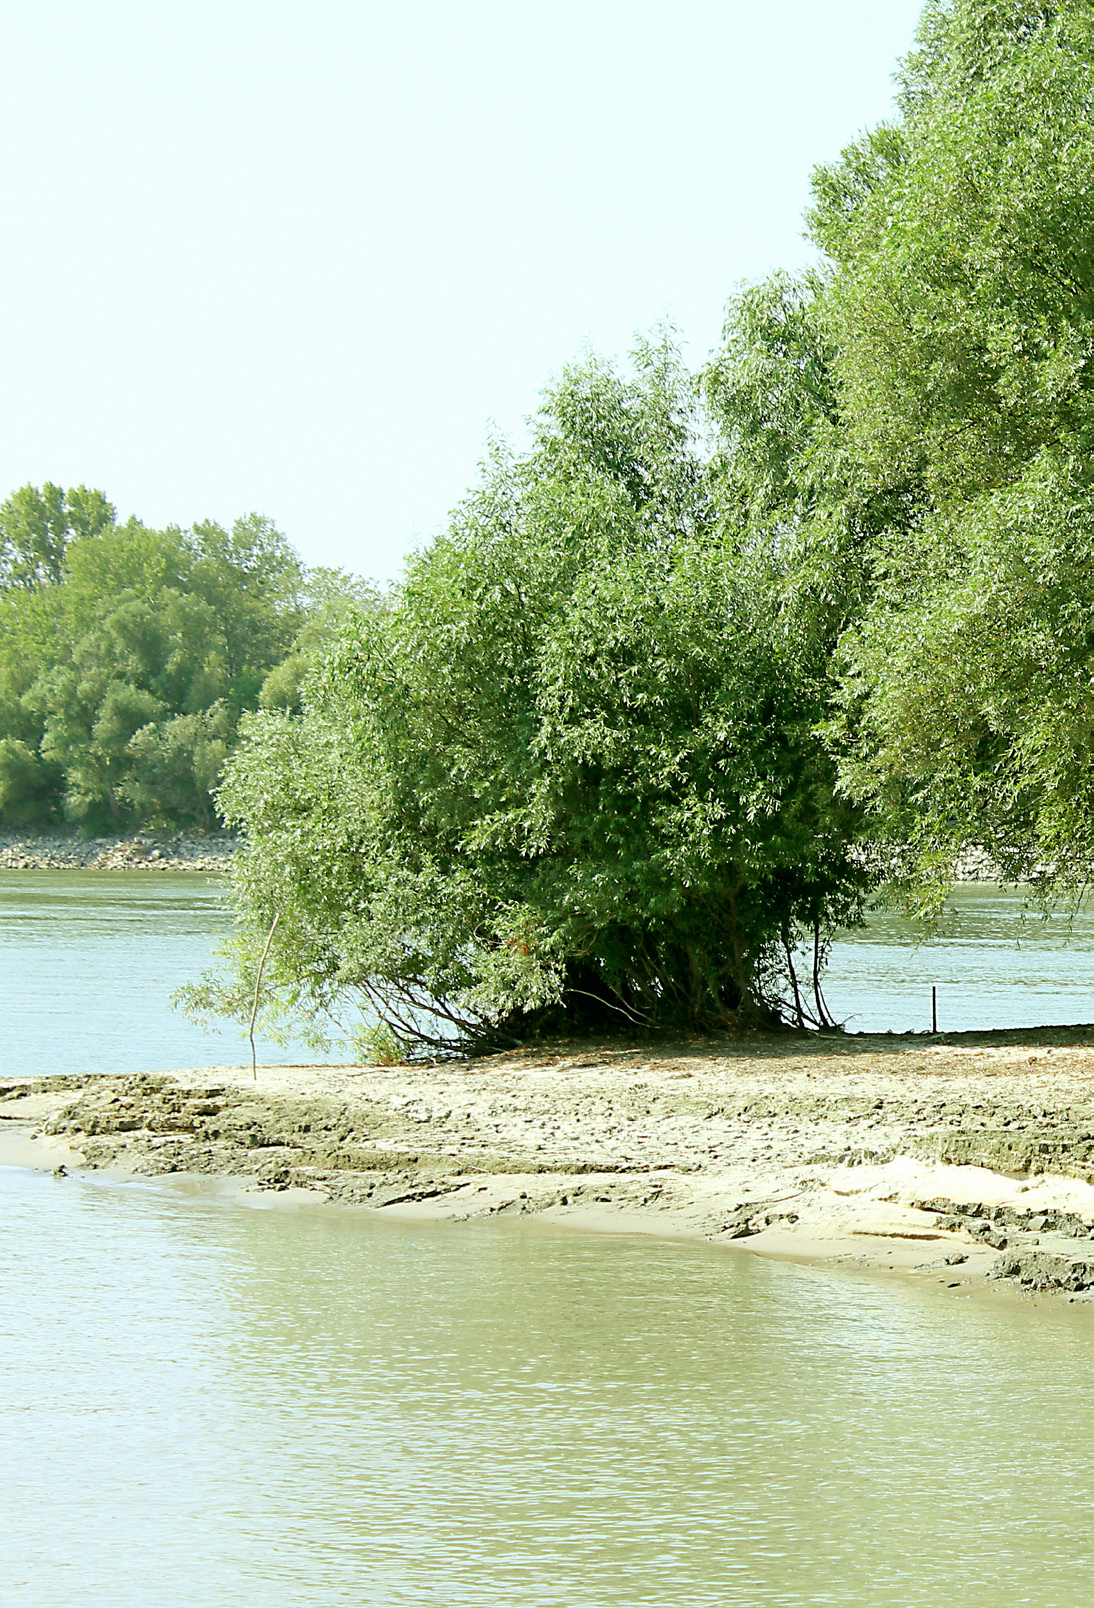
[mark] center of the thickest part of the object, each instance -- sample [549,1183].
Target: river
[206,1403]
[994,962]
[90,960]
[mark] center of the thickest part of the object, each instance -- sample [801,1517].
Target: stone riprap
[142,852]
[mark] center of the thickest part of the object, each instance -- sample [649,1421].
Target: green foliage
[174,766]
[772,394]
[672,682]
[329,597]
[569,779]
[26,785]
[36,527]
[127,656]
[960,315]
[963,309]
[969,711]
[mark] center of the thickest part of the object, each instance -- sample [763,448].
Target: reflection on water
[995,964]
[210,1405]
[90,961]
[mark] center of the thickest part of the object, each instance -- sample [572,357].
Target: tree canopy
[679,682]
[960,312]
[570,777]
[36,527]
[128,654]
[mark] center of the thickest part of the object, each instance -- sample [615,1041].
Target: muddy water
[209,1404]
[205,1403]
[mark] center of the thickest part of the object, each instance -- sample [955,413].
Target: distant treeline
[127,656]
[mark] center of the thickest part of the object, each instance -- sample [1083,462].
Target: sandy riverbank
[56,851]
[957,1159]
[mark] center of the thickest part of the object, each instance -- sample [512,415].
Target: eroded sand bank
[958,1159]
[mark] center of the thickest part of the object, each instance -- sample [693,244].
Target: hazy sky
[301,258]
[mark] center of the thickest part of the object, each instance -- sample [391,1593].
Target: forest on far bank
[128,655]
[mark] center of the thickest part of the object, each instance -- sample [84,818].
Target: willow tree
[959,307]
[568,780]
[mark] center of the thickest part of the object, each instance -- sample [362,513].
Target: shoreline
[213,851]
[965,1161]
[139,851]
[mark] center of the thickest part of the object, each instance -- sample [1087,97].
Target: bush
[569,780]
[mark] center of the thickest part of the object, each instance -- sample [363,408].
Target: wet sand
[959,1160]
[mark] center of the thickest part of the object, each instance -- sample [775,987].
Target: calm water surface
[994,963]
[90,960]
[89,963]
[241,1407]
[205,1404]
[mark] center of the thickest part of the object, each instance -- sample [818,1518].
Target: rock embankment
[144,852]
[955,1160]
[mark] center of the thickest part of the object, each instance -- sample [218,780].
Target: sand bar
[962,1159]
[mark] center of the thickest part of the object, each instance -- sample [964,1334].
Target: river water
[90,961]
[994,963]
[205,1403]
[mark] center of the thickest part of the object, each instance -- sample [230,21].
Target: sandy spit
[959,1160]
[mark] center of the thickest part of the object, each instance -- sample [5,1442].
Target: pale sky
[304,258]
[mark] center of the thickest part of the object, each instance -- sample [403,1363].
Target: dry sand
[958,1159]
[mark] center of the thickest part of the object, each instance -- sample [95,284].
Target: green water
[88,964]
[209,1404]
[238,1407]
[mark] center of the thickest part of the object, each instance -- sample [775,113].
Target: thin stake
[934,1008]
[258,987]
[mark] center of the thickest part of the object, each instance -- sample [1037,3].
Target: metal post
[934,1008]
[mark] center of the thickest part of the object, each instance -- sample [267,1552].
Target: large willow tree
[596,762]
[959,313]
[569,780]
